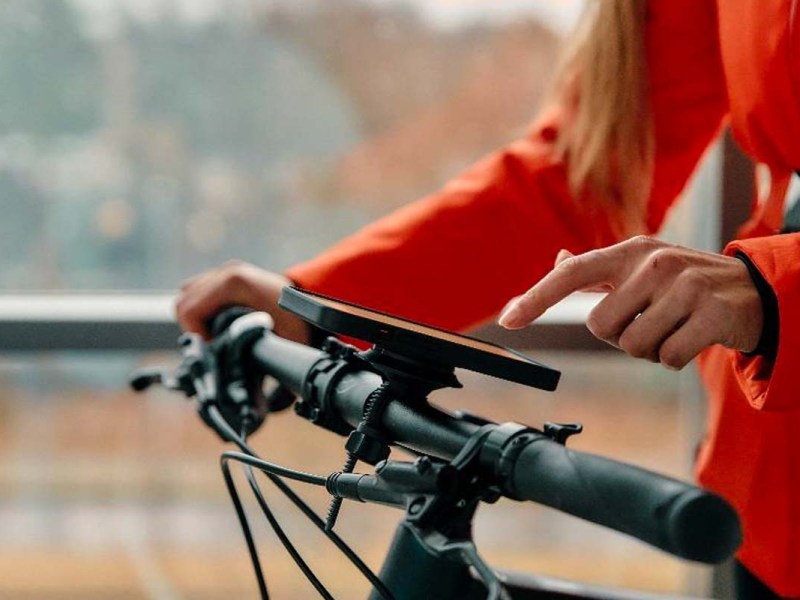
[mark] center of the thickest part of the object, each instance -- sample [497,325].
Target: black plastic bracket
[561,432]
[314,403]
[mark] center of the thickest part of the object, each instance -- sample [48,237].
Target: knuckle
[634,346]
[640,245]
[600,325]
[575,266]
[671,357]
[567,266]
[692,277]
[663,258]
[692,284]
[237,275]
[715,306]
[642,241]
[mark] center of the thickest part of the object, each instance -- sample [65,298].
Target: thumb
[563,255]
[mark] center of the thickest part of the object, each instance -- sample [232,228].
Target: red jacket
[437,260]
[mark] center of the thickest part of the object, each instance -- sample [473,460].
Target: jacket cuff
[769,381]
[768,342]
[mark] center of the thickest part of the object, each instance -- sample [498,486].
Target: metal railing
[128,321]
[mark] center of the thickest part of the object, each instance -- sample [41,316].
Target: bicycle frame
[436,576]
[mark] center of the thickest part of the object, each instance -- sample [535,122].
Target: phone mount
[408,375]
[413,360]
[413,348]
[404,379]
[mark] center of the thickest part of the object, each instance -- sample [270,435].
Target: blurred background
[142,141]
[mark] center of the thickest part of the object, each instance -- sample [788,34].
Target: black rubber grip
[672,515]
[217,324]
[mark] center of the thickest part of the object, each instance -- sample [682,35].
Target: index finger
[595,268]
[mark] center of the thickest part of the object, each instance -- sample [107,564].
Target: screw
[416,507]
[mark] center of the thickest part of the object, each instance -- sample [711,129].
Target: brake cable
[274,473]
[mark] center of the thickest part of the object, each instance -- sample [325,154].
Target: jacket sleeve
[769,384]
[455,258]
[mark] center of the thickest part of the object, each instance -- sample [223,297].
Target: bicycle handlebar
[672,515]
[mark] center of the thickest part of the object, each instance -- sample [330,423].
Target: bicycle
[379,398]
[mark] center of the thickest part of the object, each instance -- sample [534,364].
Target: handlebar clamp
[315,402]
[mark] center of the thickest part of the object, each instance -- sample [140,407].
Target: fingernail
[510,319]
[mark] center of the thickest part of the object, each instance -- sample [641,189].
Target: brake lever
[215,373]
[195,365]
[141,379]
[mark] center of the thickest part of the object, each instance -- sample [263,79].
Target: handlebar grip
[677,517]
[217,324]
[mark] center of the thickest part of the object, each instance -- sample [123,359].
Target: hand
[665,303]
[236,284]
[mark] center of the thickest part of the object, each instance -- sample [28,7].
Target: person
[646,87]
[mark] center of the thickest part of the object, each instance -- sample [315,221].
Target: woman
[645,90]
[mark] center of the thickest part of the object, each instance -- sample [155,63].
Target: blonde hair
[609,142]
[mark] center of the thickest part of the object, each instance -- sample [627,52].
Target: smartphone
[417,341]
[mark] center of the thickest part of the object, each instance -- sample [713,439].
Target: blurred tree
[247,95]
[48,70]
[139,153]
[19,235]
